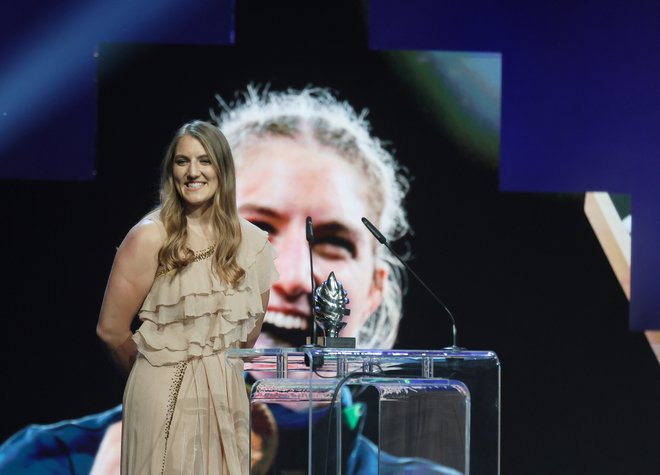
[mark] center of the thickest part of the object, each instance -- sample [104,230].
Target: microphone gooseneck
[381,239]
[309,232]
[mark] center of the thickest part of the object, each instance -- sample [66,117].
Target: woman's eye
[335,247]
[205,161]
[181,161]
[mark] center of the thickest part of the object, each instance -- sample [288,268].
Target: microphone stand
[317,360]
[379,236]
[310,242]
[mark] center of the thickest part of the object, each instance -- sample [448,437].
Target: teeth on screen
[283,320]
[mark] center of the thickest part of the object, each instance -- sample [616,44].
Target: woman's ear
[375,297]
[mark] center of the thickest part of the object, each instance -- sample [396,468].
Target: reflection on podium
[373,411]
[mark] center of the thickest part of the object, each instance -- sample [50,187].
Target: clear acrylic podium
[347,411]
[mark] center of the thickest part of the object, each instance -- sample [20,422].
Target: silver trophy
[329,309]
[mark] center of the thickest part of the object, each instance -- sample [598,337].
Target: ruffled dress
[185,406]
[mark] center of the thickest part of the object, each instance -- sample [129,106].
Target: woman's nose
[293,265]
[193,169]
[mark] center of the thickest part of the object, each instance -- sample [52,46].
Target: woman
[199,277]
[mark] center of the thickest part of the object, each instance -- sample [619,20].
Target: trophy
[329,309]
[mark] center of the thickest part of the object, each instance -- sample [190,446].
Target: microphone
[381,239]
[309,232]
[377,234]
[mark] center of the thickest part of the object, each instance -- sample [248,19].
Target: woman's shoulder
[148,230]
[152,226]
[152,217]
[147,235]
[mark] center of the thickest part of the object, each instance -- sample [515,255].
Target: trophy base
[334,342]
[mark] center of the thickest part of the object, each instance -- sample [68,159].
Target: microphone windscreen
[377,234]
[309,230]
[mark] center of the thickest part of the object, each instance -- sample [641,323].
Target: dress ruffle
[192,313]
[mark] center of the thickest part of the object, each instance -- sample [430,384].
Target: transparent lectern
[357,412]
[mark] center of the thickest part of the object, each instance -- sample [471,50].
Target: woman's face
[281,181]
[194,176]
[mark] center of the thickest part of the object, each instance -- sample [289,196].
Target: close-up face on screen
[341,171]
[330,190]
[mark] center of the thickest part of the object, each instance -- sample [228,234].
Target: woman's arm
[254,334]
[130,279]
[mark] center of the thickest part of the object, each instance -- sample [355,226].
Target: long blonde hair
[175,254]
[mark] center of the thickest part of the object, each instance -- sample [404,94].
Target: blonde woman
[199,277]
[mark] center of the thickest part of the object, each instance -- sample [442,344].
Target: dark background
[523,273]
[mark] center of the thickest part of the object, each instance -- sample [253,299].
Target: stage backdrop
[523,273]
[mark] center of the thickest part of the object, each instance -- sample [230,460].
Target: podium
[347,411]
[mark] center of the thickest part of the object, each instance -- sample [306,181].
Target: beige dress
[185,405]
